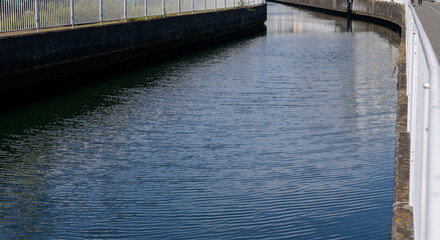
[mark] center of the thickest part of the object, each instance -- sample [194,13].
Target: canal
[284,135]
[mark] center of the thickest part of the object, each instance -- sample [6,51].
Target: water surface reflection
[287,135]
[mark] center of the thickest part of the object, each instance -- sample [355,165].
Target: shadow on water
[85,99]
[100,94]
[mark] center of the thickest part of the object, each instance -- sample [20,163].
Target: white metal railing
[423,90]
[394,1]
[18,15]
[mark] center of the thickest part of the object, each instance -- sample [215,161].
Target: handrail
[17,15]
[423,81]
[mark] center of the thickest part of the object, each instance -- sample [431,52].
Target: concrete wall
[30,60]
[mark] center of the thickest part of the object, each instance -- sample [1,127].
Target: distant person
[420,2]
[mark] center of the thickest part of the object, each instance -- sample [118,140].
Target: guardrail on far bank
[16,15]
[423,90]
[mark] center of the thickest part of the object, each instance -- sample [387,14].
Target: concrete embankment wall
[50,59]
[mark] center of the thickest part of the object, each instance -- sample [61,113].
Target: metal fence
[423,90]
[394,1]
[18,15]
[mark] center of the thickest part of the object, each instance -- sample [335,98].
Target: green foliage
[242,3]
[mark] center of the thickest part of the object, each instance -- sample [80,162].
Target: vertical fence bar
[72,13]
[215,5]
[409,59]
[414,119]
[1,17]
[46,10]
[410,84]
[23,22]
[20,22]
[192,6]
[433,187]
[146,10]
[125,10]
[11,9]
[37,15]
[163,8]
[225,4]
[8,23]
[424,159]
[204,4]
[2,27]
[178,9]
[101,14]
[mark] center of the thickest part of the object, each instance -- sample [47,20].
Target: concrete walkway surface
[429,15]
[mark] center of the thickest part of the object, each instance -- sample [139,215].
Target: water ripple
[284,136]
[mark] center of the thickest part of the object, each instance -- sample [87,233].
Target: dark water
[289,135]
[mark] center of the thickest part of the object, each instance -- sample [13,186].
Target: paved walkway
[429,15]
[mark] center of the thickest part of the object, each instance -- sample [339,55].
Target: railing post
[433,187]
[101,16]
[414,119]
[125,10]
[179,11]
[72,14]
[192,6]
[409,61]
[163,8]
[37,15]
[424,160]
[204,4]
[215,5]
[225,4]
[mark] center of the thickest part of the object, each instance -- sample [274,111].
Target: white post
[433,187]
[72,13]
[424,160]
[37,15]
[125,10]
[414,118]
[101,17]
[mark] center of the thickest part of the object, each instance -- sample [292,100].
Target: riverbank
[35,65]
[402,227]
